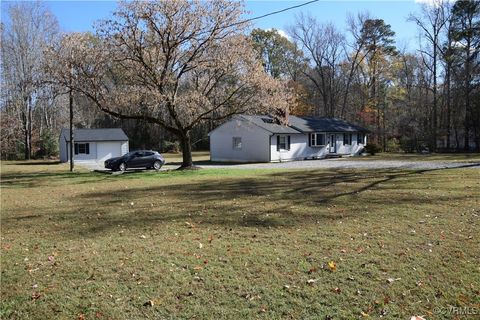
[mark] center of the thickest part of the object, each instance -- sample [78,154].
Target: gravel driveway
[324,164]
[343,163]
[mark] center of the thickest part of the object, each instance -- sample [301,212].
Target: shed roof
[111,134]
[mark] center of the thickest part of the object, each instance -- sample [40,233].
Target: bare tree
[431,23]
[172,63]
[324,46]
[356,55]
[30,27]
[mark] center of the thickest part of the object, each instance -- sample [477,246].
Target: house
[261,139]
[93,144]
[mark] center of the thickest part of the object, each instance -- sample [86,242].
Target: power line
[275,12]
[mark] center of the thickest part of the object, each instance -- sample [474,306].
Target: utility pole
[70,102]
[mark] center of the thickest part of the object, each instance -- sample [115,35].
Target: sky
[81,15]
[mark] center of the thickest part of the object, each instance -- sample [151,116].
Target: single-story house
[93,144]
[262,139]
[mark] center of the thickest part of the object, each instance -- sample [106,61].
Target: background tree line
[410,100]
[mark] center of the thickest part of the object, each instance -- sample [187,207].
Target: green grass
[227,243]
[176,158]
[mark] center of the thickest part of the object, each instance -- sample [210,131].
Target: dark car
[136,159]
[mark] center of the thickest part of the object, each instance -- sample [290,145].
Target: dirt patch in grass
[225,243]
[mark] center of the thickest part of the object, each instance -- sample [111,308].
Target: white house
[93,144]
[261,139]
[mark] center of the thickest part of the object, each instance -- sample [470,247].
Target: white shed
[93,144]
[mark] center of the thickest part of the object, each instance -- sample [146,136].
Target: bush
[372,148]
[48,145]
[171,146]
[393,145]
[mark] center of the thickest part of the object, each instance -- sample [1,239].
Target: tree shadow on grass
[273,200]
[37,179]
[35,163]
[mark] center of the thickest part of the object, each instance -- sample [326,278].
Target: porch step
[333,156]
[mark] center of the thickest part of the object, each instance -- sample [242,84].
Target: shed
[93,144]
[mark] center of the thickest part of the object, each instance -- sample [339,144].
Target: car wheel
[157,165]
[122,167]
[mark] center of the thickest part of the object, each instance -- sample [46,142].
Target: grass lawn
[451,157]
[227,243]
[176,158]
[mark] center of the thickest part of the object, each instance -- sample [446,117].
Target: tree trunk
[448,104]
[26,127]
[185,140]
[434,120]
[29,127]
[70,104]
[26,142]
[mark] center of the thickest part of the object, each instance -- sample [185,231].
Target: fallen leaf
[149,303]
[36,296]
[417,318]
[337,290]
[311,281]
[390,280]
[333,266]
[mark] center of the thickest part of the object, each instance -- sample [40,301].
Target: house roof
[304,124]
[312,124]
[267,123]
[113,134]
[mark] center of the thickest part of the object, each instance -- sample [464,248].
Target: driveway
[319,164]
[90,165]
[343,164]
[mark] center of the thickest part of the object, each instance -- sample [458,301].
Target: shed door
[106,150]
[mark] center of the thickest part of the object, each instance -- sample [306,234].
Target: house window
[347,138]
[360,138]
[317,139]
[283,143]
[237,143]
[82,148]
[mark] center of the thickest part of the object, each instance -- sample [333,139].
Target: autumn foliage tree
[171,63]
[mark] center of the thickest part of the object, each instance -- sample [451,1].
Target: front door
[332,144]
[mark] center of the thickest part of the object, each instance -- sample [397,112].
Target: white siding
[62,145]
[99,151]
[124,148]
[353,148]
[299,149]
[85,157]
[255,142]
[108,149]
